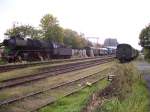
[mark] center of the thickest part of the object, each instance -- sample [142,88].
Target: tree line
[49,29]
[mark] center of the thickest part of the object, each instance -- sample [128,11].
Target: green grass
[137,100]
[76,101]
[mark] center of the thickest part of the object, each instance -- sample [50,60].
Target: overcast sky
[121,19]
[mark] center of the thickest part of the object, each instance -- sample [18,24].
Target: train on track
[26,49]
[126,52]
[18,48]
[93,51]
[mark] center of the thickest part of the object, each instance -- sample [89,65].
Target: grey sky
[121,19]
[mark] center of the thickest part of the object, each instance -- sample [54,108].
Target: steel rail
[12,100]
[5,68]
[52,72]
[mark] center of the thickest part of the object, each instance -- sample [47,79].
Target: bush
[147,54]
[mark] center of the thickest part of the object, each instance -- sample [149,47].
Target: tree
[145,37]
[145,41]
[36,34]
[69,36]
[75,40]
[51,29]
[24,31]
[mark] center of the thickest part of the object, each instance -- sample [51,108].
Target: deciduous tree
[145,37]
[74,39]
[24,31]
[145,41]
[51,29]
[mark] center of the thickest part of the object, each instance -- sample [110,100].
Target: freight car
[103,51]
[18,49]
[77,53]
[93,51]
[126,52]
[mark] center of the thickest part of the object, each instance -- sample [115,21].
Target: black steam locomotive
[18,49]
[126,52]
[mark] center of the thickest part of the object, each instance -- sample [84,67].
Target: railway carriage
[126,52]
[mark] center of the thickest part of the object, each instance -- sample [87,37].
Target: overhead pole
[97,39]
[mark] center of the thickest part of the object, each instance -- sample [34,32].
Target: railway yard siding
[42,92]
[35,69]
[76,90]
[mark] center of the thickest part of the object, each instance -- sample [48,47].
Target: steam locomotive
[18,49]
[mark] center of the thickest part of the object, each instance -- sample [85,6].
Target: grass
[76,101]
[134,92]
[136,102]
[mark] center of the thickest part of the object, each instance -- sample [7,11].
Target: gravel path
[144,67]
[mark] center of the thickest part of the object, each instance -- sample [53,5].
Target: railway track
[93,78]
[9,67]
[47,72]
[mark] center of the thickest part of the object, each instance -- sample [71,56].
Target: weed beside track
[126,93]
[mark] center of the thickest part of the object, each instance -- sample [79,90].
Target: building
[110,42]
